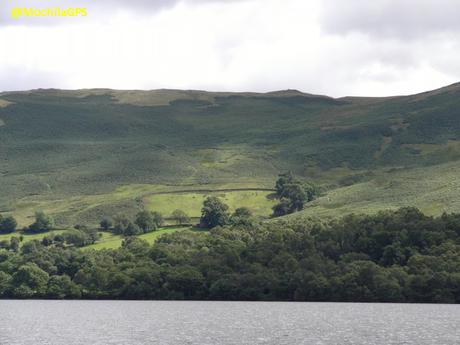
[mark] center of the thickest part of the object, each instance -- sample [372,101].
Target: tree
[132,230]
[214,213]
[283,180]
[311,191]
[32,277]
[282,208]
[136,245]
[77,238]
[5,280]
[106,224]
[120,224]
[293,194]
[7,224]
[242,216]
[158,219]
[124,226]
[60,287]
[296,195]
[145,221]
[14,244]
[42,223]
[180,217]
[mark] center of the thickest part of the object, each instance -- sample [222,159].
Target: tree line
[393,256]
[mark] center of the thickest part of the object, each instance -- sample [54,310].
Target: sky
[333,47]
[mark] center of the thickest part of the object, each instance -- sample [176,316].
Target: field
[82,155]
[129,199]
[259,202]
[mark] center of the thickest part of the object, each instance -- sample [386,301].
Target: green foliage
[242,217]
[78,238]
[145,220]
[124,226]
[106,224]
[30,280]
[158,219]
[180,217]
[293,194]
[393,256]
[60,287]
[214,213]
[14,244]
[283,180]
[282,208]
[43,223]
[7,224]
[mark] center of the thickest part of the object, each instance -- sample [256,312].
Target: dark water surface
[132,323]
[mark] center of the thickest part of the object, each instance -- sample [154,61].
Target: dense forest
[393,256]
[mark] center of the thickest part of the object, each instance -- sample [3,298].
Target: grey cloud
[400,19]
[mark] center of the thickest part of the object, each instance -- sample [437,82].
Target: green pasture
[259,202]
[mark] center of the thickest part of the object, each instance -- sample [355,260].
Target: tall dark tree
[214,213]
[283,180]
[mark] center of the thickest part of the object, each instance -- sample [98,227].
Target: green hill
[82,154]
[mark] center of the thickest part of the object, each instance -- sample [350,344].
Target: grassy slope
[434,189]
[83,154]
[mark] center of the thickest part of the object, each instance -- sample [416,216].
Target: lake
[132,323]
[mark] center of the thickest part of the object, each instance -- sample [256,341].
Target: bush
[242,217]
[7,224]
[43,223]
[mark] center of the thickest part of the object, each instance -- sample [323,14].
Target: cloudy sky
[334,47]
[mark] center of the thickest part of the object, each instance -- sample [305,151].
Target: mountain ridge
[450,87]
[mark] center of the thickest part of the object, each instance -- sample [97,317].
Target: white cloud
[254,45]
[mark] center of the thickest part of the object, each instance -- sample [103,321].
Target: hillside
[82,154]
